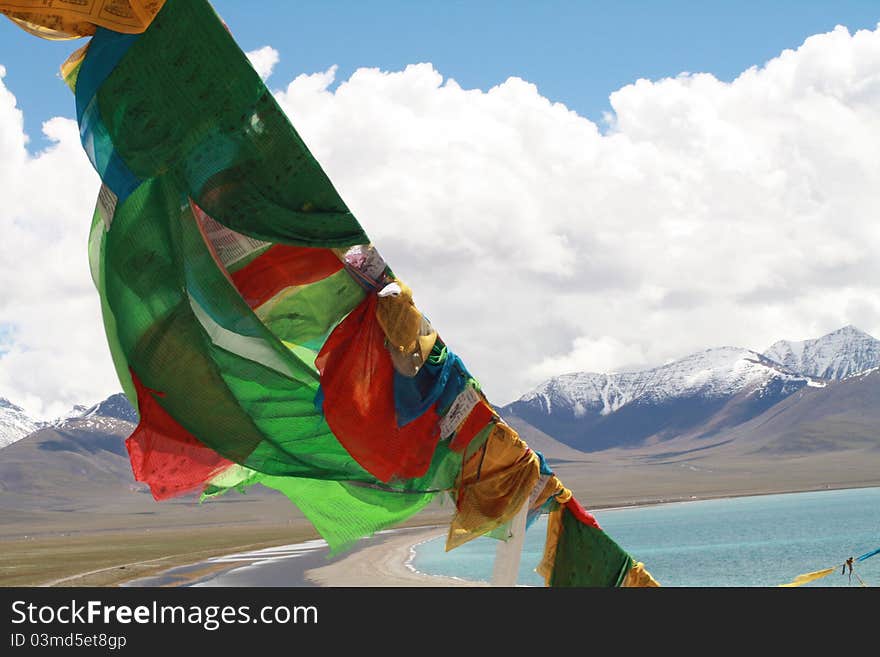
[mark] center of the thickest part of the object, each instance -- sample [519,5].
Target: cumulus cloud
[263,60]
[52,349]
[707,213]
[604,354]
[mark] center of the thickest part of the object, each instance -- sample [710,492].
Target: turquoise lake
[755,541]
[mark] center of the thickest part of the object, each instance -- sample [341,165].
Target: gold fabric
[45,32]
[638,576]
[809,577]
[563,496]
[399,318]
[553,488]
[70,19]
[493,485]
[554,529]
[409,361]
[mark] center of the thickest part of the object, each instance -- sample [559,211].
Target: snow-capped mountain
[839,354]
[75,412]
[115,406]
[15,424]
[113,414]
[711,374]
[697,395]
[592,411]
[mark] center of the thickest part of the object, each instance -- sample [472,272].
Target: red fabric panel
[357,378]
[581,513]
[164,454]
[282,266]
[476,421]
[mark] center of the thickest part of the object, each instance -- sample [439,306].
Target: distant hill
[74,476]
[844,415]
[15,423]
[84,455]
[552,450]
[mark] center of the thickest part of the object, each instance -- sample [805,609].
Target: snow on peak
[15,424]
[105,415]
[115,406]
[76,412]
[113,414]
[842,353]
[711,374]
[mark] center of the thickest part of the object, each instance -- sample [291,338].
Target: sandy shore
[384,564]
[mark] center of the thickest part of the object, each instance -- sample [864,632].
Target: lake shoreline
[389,563]
[386,559]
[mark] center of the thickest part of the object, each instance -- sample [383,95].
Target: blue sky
[576,52]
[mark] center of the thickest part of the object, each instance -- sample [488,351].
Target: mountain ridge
[836,355]
[16,424]
[703,392]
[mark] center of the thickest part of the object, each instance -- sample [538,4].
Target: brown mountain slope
[553,450]
[78,479]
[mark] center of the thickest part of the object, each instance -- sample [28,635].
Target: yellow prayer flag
[69,19]
[809,577]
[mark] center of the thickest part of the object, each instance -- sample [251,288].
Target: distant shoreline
[390,562]
[386,560]
[614,506]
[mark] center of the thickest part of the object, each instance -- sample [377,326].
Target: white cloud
[263,60]
[602,354]
[708,214]
[54,350]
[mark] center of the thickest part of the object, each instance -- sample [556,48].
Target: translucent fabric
[261,336]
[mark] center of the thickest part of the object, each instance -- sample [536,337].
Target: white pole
[508,553]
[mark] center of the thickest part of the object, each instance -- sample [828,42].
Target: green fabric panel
[500,533]
[587,557]
[443,471]
[96,249]
[185,99]
[97,262]
[344,513]
[72,76]
[478,441]
[298,441]
[273,456]
[235,476]
[158,332]
[244,410]
[305,354]
[307,314]
[217,296]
